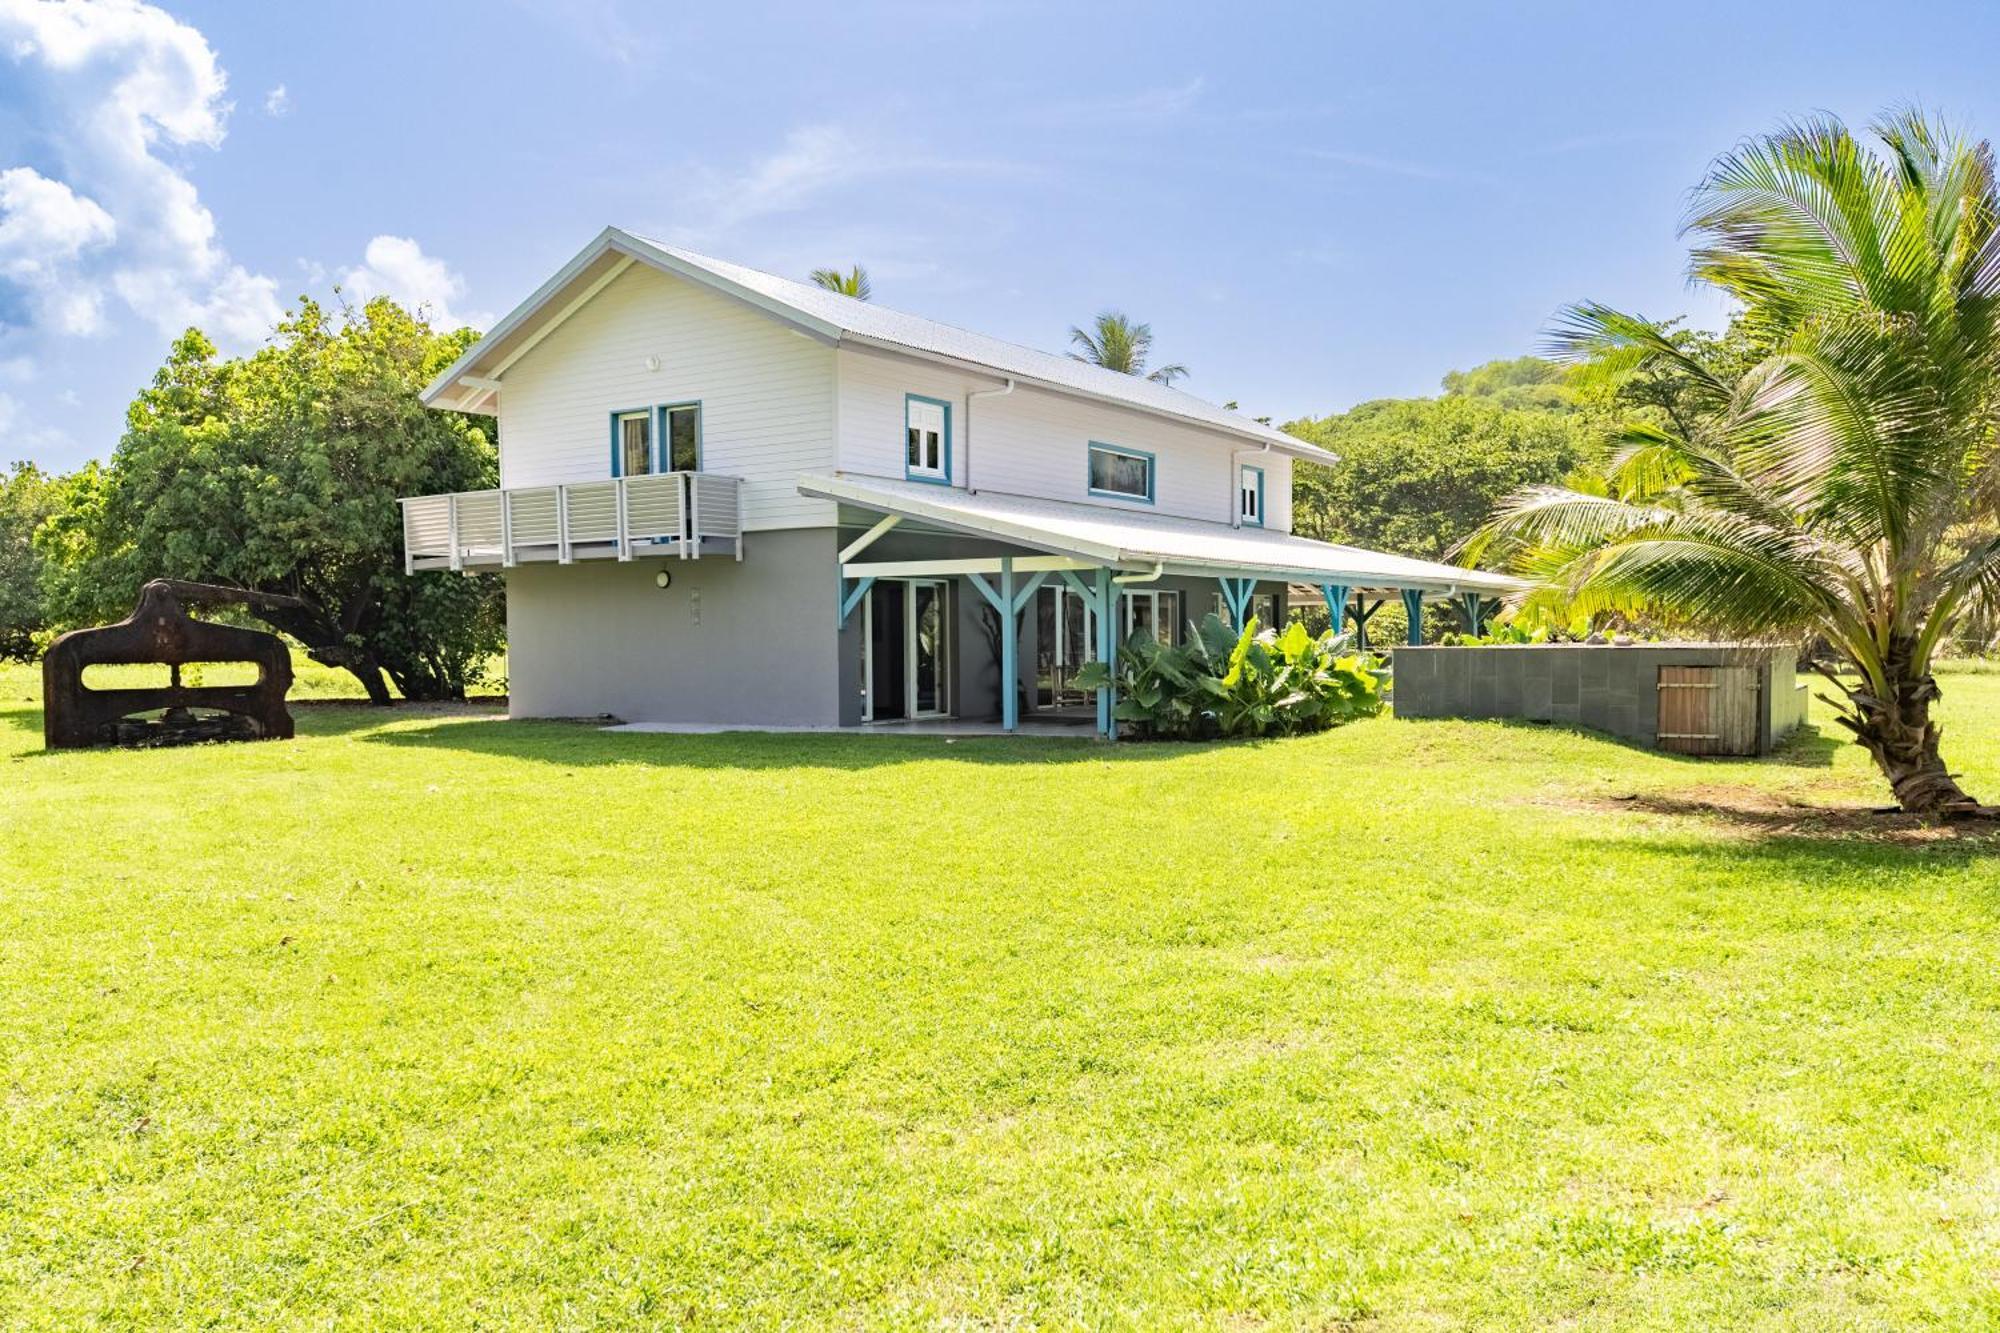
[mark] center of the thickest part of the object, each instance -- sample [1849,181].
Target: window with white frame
[1250,495]
[681,435]
[1124,473]
[926,439]
[632,434]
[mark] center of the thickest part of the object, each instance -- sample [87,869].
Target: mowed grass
[429,1019]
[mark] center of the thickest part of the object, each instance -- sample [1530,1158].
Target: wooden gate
[1708,710]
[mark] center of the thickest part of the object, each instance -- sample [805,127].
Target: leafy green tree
[28,496]
[1530,383]
[1116,343]
[281,472]
[1416,476]
[1844,484]
[852,283]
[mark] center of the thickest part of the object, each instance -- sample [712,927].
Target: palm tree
[1121,345]
[1842,486]
[852,283]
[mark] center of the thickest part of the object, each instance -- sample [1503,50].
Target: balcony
[686,514]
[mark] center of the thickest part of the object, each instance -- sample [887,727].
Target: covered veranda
[1099,554]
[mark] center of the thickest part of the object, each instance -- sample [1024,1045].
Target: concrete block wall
[1601,686]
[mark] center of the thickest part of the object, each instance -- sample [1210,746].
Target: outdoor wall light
[663,579]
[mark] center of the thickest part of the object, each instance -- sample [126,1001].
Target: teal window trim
[617,449]
[663,446]
[926,476]
[1152,472]
[1256,520]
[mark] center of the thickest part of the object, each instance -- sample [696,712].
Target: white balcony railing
[665,513]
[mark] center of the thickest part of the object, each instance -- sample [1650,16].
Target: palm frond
[1589,332]
[852,283]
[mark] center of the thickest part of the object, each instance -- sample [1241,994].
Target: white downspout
[1129,579]
[966,434]
[1236,482]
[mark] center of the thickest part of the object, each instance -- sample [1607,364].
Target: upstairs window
[1250,496]
[1124,474]
[926,439]
[680,432]
[631,443]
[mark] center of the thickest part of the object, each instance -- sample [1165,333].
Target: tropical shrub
[1222,682]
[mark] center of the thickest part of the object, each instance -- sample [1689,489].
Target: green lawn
[428,1019]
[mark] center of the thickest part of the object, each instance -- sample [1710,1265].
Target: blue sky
[1312,205]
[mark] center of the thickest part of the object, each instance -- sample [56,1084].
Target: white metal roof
[1127,539]
[845,320]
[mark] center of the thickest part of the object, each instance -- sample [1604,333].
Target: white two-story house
[728,498]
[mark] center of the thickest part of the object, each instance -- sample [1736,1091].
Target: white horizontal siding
[766,393]
[1033,442]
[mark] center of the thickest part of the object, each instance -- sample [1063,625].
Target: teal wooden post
[1363,613]
[1236,596]
[1336,603]
[1475,612]
[1413,607]
[1107,653]
[1010,670]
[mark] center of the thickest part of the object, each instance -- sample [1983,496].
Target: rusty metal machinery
[158,631]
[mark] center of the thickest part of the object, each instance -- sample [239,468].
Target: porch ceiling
[1101,536]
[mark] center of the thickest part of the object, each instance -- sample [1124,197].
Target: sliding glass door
[1066,636]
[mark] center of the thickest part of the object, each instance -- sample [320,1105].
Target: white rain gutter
[970,489]
[1154,577]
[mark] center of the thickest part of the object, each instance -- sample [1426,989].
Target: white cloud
[812,158]
[811,164]
[111,84]
[1146,107]
[44,227]
[278,102]
[397,267]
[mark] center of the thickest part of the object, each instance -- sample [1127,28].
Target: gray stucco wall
[597,636]
[1602,686]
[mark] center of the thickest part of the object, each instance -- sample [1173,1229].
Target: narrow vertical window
[1250,495]
[926,439]
[632,437]
[682,426]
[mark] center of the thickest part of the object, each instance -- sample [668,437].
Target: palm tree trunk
[1899,733]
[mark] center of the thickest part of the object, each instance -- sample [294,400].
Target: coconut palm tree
[1119,344]
[852,283]
[1844,485]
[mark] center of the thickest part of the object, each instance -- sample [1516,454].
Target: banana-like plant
[1844,486]
[1226,682]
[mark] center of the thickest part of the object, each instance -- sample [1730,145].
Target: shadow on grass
[1806,747]
[1762,825]
[584,743]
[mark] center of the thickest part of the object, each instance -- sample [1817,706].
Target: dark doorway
[885,650]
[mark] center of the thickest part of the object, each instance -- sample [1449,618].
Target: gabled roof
[1103,535]
[468,384]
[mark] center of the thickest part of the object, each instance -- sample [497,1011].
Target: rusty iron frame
[159,631]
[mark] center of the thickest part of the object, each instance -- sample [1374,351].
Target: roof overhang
[1110,538]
